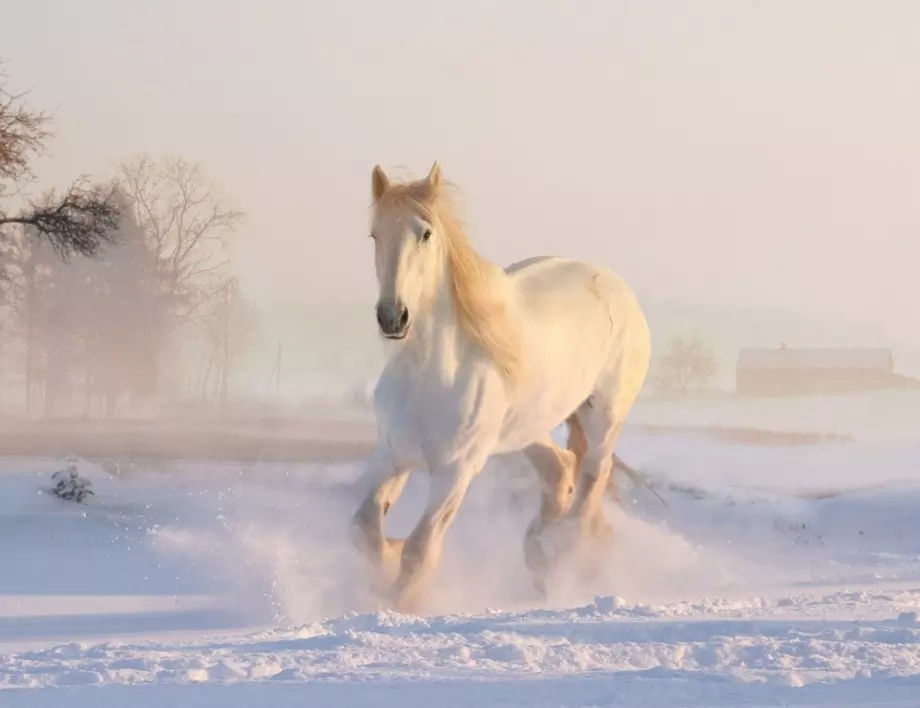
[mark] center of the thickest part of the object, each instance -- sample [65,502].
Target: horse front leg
[422,550]
[386,480]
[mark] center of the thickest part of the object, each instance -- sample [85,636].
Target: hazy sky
[750,152]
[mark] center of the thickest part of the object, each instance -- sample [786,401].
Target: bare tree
[76,222]
[688,362]
[228,326]
[124,318]
[187,224]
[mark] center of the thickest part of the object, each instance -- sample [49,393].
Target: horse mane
[479,306]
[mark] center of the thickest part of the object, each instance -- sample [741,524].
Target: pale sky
[759,153]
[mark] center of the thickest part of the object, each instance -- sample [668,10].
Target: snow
[774,576]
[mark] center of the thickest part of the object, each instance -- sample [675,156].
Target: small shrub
[69,485]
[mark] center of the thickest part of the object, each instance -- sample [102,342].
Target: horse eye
[426,235]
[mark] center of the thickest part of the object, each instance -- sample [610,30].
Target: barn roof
[811,359]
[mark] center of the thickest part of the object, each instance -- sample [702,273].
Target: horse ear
[379,183]
[434,176]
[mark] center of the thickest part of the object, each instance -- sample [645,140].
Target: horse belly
[563,366]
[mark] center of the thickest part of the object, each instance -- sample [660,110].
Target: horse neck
[437,335]
[441,342]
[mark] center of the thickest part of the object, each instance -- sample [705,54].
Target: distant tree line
[102,286]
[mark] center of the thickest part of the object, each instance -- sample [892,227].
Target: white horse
[489,361]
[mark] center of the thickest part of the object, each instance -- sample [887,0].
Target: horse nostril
[393,318]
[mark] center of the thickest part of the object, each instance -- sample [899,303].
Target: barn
[803,372]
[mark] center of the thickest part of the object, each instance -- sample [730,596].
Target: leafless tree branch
[23,133]
[79,222]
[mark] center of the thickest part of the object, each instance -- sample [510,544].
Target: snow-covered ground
[776,576]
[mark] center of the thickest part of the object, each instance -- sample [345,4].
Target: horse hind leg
[578,445]
[594,430]
[555,468]
[601,419]
[560,473]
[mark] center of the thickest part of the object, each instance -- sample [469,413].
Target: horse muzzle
[393,319]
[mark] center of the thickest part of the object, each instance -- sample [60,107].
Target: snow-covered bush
[68,484]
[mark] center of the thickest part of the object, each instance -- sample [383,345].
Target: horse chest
[425,418]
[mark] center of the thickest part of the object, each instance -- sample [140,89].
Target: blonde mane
[479,306]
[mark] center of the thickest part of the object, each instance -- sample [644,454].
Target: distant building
[803,372]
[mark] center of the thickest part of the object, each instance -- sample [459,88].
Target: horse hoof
[539,581]
[547,548]
[404,602]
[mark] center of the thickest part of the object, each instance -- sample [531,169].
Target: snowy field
[776,576]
